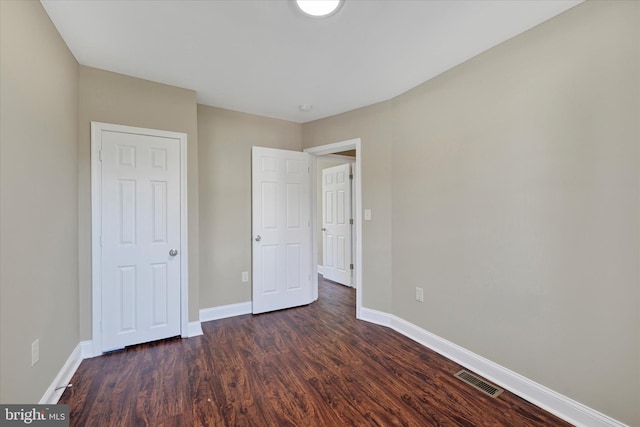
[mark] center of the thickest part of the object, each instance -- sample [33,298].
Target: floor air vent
[479,383]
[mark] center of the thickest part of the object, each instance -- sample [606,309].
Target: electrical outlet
[419,294]
[245,276]
[35,352]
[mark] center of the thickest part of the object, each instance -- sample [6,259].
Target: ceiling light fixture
[305,108]
[319,8]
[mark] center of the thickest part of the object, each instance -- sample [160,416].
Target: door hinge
[351,221]
[350,176]
[351,266]
[100,155]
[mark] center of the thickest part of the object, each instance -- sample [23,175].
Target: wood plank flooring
[308,366]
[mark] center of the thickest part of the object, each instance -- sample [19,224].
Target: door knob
[173,252]
[324,229]
[258,238]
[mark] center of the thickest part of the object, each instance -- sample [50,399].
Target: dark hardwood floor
[307,366]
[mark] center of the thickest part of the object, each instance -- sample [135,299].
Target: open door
[337,221]
[281,224]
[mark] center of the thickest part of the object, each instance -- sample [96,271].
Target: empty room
[320,213]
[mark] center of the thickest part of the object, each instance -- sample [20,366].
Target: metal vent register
[479,383]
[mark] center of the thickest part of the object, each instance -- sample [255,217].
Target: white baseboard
[224,311]
[375,316]
[51,396]
[556,403]
[321,269]
[547,399]
[86,349]
[194,329]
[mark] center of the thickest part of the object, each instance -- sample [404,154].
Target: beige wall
[514,183]
[119,99]
[38,201]
[508,188]
[520,169]
[225,139]
[372,125]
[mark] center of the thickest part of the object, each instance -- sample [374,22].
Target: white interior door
[336,223]
[141,236]
[281,209]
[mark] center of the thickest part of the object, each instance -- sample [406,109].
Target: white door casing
[281,225]
[139,235]
[336,223]
[331,149]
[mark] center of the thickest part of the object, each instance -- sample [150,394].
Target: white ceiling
[264,57]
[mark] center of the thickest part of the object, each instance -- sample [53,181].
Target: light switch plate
[367,214]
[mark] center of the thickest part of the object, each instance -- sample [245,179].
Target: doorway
[336,218]
[333,149]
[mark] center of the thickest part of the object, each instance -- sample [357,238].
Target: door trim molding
[340,157]
[96,220]
[323,150]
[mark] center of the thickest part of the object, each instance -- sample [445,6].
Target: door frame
[96,222]
[322,150]
[352,213]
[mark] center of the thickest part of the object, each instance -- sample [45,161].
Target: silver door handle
[258,238]
[173,252]
[324,229]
